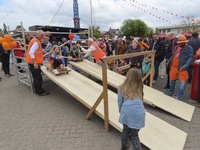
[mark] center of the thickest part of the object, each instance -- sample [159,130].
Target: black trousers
[56,63]
[6,63]
[19,61]
[167,71]
[37,79]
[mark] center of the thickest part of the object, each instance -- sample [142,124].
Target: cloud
[106,13]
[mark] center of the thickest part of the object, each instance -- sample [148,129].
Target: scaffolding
[26,77]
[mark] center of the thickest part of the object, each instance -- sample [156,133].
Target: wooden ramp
[156,135]
[151,96]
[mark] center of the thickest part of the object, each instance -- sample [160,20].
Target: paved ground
[56,122]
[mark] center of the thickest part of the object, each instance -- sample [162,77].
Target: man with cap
[179,62]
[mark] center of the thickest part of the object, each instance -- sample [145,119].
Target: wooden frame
[104,94]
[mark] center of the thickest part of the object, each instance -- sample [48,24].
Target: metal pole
[91,19]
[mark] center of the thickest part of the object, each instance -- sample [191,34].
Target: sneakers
[44,94]
[125,148]
[7,75]
[67,68]
[197,104]
[180,99]
[161,77]
[154,81]
[165,88]
[55,71]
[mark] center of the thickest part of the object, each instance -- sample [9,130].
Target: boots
[126,148]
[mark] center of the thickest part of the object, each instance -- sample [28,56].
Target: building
[107,34]
[57,29]
[177,30]
[115,31]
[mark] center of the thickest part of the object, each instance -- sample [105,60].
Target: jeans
[156,70]
[198,89]
[180,90]
[6,63]
[37,79]
[190,72]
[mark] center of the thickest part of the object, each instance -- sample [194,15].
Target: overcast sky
[40,12]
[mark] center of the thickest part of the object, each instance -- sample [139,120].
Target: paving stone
[56,121]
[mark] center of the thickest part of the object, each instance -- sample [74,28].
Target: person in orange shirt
[179,62]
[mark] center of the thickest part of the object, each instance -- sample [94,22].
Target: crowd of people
[176,53]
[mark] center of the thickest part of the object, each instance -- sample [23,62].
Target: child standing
[146,67]
[56,59]
[74,51]
[131,108]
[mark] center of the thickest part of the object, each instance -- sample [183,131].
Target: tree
[134,28]
[193,27]
[157,31]
[149,32]
[187,22]
[17,27]
[4,29]
[96,31]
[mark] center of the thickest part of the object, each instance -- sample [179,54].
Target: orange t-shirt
[175,60]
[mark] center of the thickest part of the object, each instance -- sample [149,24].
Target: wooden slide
[151,96]
[156,135]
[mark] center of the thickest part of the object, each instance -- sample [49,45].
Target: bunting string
[155,8]
[56,12]
[158,17]
[105,11]
[12,11]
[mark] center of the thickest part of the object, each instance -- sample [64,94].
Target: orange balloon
[6,46]
[2,40]
[74,35]
[8,38]
[13,43]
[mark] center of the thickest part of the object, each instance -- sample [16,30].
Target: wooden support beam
[146,76]
[147,61]
[94,106]
[126,56]
[105,95]
[123,67]
[152,69]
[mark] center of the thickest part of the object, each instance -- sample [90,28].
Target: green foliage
[193,27]
[157,31]
[17,27]
[96,31]
[134,28]
[149,32]
[4,29]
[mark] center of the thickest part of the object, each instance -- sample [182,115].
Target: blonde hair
[132,87]
[135,41]
[53,51]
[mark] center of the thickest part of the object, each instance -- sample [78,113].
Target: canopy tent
[163,35]
[186,34]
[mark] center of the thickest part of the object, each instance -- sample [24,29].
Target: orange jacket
[38,53]
[144,45]
[98,53]
[197,56]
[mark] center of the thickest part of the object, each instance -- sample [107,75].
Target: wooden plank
[152,96]
[126,56]
[48,66]
[156,135]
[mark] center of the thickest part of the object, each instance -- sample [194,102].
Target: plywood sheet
[151,96]
[156,135]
